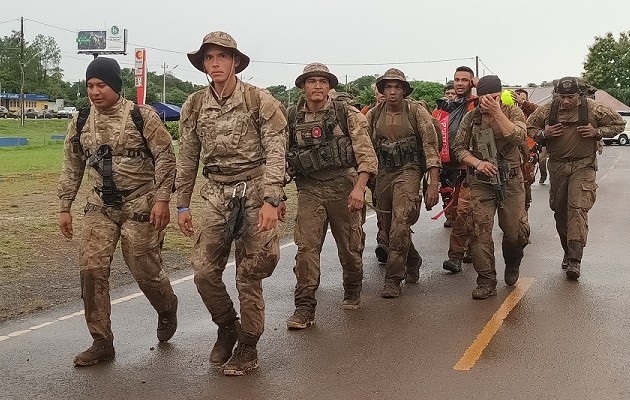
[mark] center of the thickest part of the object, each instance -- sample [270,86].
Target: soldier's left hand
[356,199]
[160,215]
[282,210]
[267,217]
[432,196]
[587,131]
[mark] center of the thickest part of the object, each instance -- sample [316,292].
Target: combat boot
[391,290]
[301,319]
[573,269]
[167,322]
[351,301]
[412,274]
[244,360]
[511,273]
[565,263]
[467,259]
[226,339]
[453,265]
[382,253]
[483,291]
[449,223]
[101,350]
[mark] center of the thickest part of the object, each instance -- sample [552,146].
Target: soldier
[406,145]
[494,132]
[238,132]
[331,152]
[132,168]
[571,127]
[455,190]
[529,150]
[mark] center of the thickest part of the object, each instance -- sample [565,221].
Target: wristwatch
[274,201]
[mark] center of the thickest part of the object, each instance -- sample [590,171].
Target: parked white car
[67,112]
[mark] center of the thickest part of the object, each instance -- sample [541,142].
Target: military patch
[316,132]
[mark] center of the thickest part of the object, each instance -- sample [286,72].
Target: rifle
[488,148]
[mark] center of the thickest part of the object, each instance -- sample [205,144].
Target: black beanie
[488,84]
[107,70]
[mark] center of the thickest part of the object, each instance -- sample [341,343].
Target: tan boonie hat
[220,39]
[394,74]
[316,69]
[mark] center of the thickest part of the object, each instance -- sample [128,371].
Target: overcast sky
[521,42]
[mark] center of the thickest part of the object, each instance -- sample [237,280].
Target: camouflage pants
[256,255]
[381,237]
[462,229]
[571,195]
[321,204]
[399,191]
[542,163]
[512,221]
[140,243]
[450,177]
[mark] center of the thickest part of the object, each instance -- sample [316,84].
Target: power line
[484,64]
[367,64]
[9,20]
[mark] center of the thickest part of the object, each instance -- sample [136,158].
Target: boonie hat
[220,39]
[567,85]
[394,74]
[316,69]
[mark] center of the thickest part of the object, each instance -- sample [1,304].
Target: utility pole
[164,66]
[477,66]
[22,69]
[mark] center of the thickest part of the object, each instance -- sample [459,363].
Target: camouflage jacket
[130,172]
[508,146]
[231,137]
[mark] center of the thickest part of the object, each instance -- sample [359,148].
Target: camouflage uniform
[572,170]
[234,146]
[511,212]
[398,188]
[323,200]
[143,181]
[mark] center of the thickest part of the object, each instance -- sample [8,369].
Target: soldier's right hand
[487,168]
[65,224]
[184,220]
[553,130]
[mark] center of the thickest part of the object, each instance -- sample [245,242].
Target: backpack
[82,118]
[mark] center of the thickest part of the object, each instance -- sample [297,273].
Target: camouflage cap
[567,85]
[316,69]
[220,39]
[394,74]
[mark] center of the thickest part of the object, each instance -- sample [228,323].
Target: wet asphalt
[562,340]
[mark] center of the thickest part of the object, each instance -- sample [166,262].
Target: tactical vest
[101,158]
[313,146]
[395,154]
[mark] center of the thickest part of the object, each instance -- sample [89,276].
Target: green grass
[37,131]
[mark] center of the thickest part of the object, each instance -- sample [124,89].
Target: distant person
[529,150]
[449,92]
[571,127]
[238,132]
[131,169]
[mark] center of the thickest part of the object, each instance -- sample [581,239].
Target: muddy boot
[453,265]
[565,263]
[449,223]
[511,273]
[412,274]
[244,360]
[351,301]
[573,269]
[101,350]
[467,259]
[391,290]
[301,319]
[483,291]
[382,253]
[167,322]
[226,339]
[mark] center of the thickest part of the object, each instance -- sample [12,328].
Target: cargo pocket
[587,195]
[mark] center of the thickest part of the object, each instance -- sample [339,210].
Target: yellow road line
[477,347]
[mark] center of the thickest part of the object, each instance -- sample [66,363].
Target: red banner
[141,75]
[442,117]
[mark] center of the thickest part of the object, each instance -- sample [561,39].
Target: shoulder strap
[412,108]
[583,112]
[252,102]
[341,112]
[553,113]
[84,113]
[476,116]
[138,121]
[291,120]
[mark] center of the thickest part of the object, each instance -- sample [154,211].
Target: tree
[427,91]
[607,64]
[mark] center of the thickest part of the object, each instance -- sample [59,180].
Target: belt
[229,175]
[570,159]
[134,216]
[483,177]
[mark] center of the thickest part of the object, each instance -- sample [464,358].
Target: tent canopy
[167,112]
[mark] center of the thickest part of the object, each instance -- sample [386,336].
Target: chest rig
[406,150]
[313,146]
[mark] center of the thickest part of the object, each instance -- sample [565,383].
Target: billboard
[111,41]
[141,75]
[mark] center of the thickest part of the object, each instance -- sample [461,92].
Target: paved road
[561,340]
